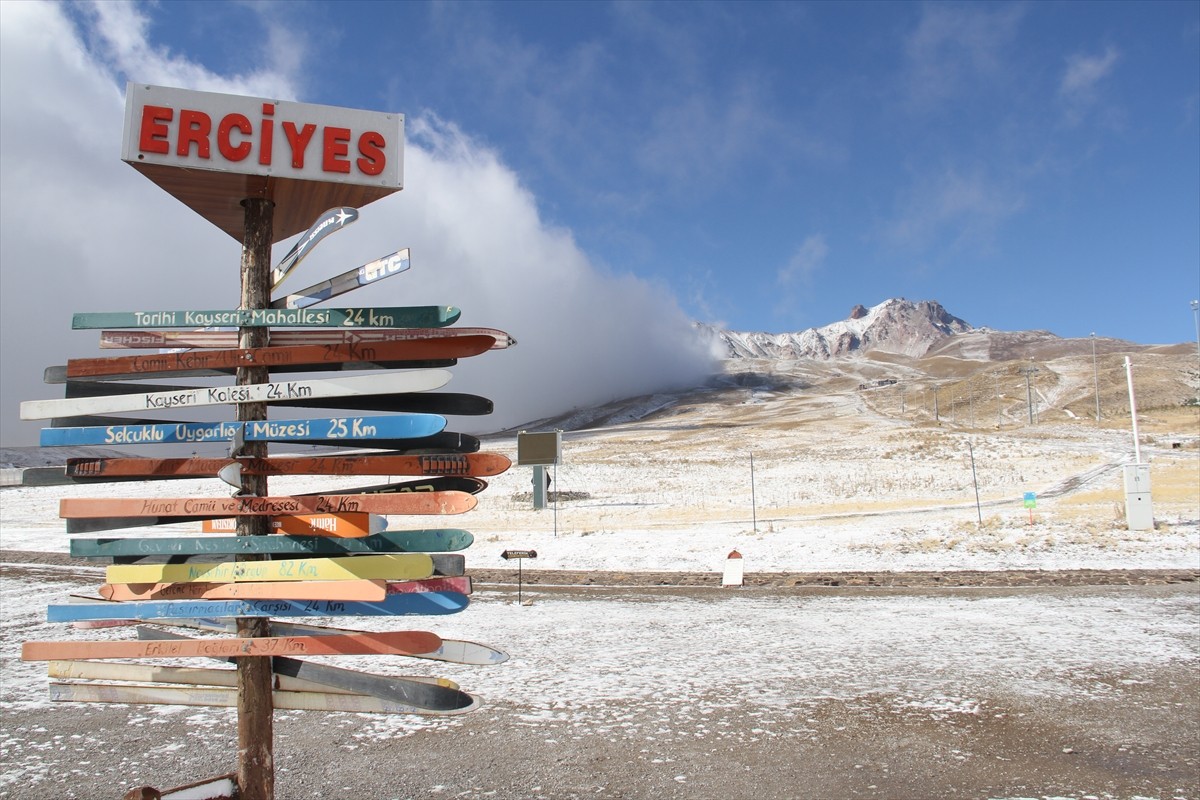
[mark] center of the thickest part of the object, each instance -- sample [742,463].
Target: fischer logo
[281,144]
[317,233]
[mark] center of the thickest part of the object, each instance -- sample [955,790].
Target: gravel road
[1105,726]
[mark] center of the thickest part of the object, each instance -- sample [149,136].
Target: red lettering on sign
[268,133]
[298,139]
[230,136]
[153,138]
[337,145]
[370,146]
[194,127]
[225,144]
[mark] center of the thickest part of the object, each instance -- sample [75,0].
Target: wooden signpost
[520,556]
[218,154]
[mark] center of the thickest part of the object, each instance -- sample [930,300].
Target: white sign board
[257,136]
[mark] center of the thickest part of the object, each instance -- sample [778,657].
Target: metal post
[256,762]
[1137,447]
[975,480]
[999,401]
[753,498]
[1196,319]
[1028,391]
[1096,373]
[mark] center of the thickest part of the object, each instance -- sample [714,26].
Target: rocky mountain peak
[895,326]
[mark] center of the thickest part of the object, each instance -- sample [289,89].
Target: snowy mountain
[896,326]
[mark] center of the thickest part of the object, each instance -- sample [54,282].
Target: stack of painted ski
[331,554]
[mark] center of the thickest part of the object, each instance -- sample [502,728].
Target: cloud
[85,232]
[1083,72]
[1079,88]
[954,47]
[797,275]
[808,259]
[952,210]
[120,39]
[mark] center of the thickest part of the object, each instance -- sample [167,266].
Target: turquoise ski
[431,540]
[384,317]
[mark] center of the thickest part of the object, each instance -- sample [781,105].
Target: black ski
[397,690]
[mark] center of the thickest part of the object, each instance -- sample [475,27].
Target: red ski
[299,355]
[399,503]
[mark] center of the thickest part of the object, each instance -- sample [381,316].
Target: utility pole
[1096,373]
[1196,318]
[999,400]
[1030,370]
[753,497]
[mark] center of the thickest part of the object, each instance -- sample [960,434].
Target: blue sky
[595,176]
[1028,165]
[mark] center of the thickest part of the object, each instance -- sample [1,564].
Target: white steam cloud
[84,232]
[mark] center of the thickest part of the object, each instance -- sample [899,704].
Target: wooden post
[256,759]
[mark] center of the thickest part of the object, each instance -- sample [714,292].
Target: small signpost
[733,570]
[263,170]
[540,450]
[520,556]
[1031,504]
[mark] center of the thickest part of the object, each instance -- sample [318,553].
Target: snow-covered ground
[795,481]
[836,484]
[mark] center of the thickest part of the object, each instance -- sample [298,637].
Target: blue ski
[401,604]
[398,426]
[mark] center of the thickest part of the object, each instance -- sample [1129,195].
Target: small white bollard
[733,570]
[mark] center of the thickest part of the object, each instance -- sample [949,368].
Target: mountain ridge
[916,329]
